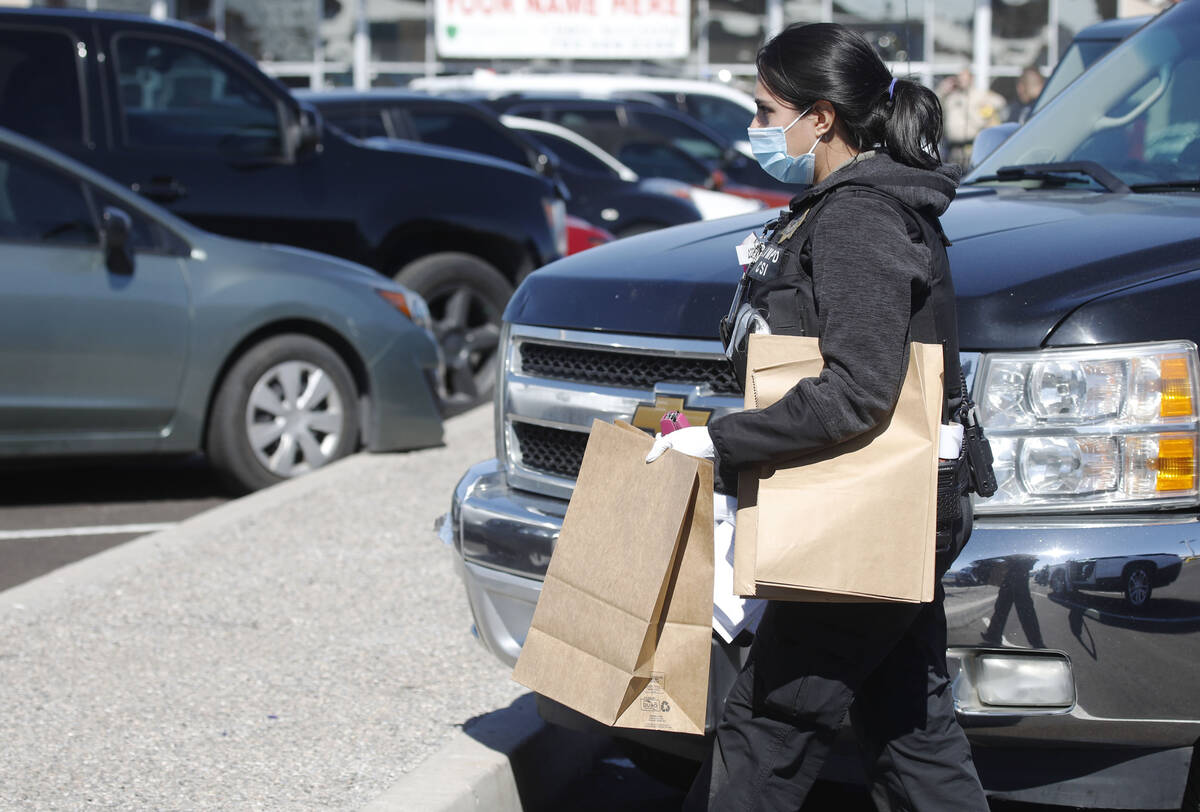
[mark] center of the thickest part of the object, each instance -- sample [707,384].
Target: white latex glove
[693,441]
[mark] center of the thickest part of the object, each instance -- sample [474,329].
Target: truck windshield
[1078,58]
[1136,113]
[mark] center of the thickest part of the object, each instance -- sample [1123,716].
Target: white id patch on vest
[748,250]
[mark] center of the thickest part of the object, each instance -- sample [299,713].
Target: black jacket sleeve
[865,268]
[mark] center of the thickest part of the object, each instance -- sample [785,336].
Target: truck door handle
[161,188]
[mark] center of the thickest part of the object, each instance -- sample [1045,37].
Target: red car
[582,235]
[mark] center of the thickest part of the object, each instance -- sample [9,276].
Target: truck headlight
[1107,427]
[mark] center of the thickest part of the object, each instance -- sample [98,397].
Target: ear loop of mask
[797,118]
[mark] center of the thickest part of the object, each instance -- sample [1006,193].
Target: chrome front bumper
[1016,586]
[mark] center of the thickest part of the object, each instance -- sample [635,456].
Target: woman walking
[855,265]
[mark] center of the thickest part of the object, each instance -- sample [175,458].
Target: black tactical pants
[884,664]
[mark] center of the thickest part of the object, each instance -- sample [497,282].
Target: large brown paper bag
[622,628]
[856,522]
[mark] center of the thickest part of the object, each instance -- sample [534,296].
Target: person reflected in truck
[855,269]
[1011,574]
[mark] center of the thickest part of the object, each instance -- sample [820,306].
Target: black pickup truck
[191,123]
[1074,611]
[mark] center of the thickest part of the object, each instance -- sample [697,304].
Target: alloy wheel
[467,326]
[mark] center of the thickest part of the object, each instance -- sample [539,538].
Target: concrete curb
[507,761]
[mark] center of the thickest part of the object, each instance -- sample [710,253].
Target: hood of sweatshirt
[928,191]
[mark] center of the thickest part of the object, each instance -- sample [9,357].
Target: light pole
[983,44]
[362,47]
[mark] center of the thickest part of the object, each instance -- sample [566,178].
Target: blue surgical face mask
[769,145]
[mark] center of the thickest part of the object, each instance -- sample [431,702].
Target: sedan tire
[286,407]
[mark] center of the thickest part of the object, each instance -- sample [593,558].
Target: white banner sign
[563,29]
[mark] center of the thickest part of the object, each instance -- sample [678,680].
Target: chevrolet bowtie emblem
[647,415]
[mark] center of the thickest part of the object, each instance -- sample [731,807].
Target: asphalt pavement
[303,647]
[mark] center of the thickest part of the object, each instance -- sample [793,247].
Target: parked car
[186,120]
[582,235]
[129,331]
[722,107]
[1134,576]
[409,116]
[606,190]
[1076,258]
[648,137]
[618,200]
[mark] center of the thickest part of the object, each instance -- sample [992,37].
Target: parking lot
[218,282]
[279,652]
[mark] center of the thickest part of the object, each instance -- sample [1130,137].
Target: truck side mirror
[116,226]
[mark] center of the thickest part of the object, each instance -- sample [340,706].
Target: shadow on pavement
[119,479]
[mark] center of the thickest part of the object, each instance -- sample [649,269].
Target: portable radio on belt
[979,454]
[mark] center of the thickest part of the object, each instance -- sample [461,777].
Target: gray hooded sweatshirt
[865,269]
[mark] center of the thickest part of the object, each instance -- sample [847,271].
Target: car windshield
[1136,114]
[1079,57]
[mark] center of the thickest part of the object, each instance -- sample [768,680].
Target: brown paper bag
[622,628]
[854,523]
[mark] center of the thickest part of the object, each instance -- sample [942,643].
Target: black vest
[780,281]
[780,287]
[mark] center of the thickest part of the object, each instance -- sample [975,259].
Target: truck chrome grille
[626,369]
[555,383]
[553,451]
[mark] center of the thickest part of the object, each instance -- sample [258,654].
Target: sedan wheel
[295,418]
[286,407]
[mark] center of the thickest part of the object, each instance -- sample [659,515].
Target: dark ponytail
[826,61]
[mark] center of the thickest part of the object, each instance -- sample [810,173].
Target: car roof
[349,94]
[583,83]
[558,98]
[511,101]
[383,98]
[1117,29]
[599,153]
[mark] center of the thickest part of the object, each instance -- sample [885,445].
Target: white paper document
[731,614]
